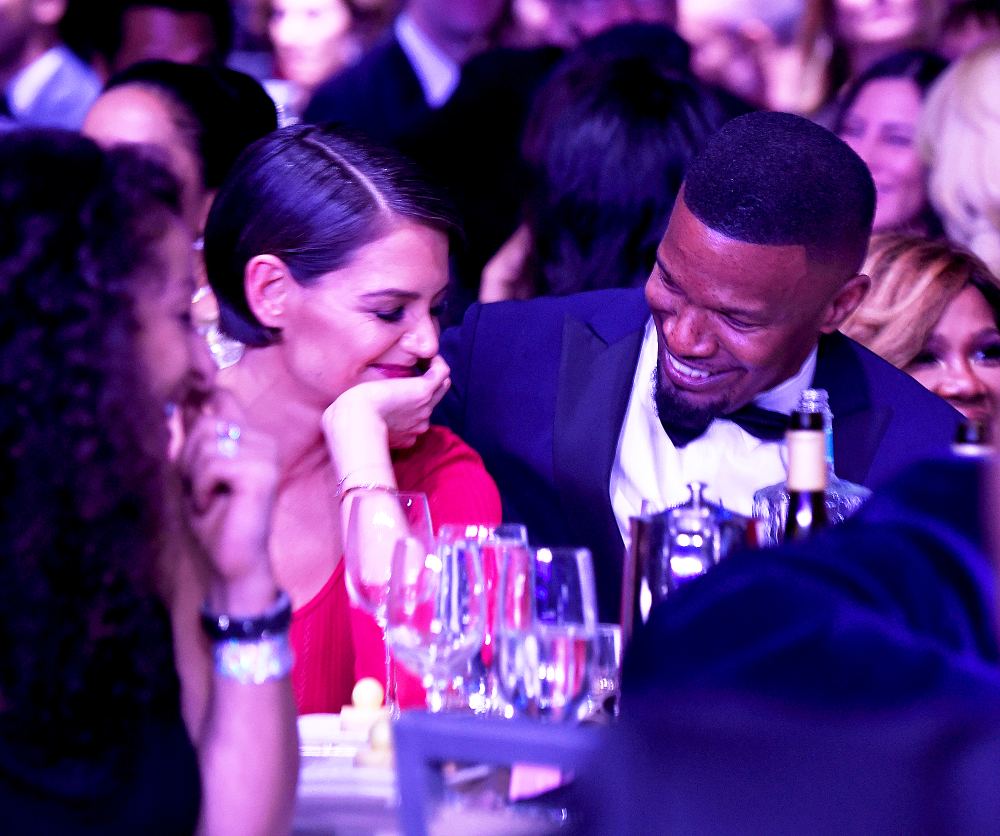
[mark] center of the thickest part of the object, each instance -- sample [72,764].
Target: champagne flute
[377,520]
[547,623]
[436,611]
[480,687]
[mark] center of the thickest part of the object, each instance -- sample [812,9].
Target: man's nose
[688,334]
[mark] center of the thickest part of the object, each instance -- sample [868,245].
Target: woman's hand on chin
[230,473]
[395,411]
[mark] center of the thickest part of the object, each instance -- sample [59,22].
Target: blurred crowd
[505,104]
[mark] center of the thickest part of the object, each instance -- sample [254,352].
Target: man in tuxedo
[390,93]
[583,406]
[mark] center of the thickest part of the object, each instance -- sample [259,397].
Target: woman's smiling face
[881,127]
[373,319]
[960,361]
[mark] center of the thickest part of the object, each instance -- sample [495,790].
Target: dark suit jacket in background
[380,96]
[540,389]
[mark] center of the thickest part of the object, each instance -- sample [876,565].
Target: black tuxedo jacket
[540,389]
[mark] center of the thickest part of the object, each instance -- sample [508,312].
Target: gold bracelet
[367,486]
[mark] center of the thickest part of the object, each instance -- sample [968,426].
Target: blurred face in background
[881,21]
[881,127]
[150,33]
[460,27]
[309,39]
[960,360]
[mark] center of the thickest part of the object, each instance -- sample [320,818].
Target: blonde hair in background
[959,138]
[913,281]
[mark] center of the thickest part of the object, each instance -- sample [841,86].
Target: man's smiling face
[733,319]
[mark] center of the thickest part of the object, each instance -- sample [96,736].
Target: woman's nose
[961,381]
[422,339]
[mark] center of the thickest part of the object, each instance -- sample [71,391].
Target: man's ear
[47,12]
[845,302]
[267,283]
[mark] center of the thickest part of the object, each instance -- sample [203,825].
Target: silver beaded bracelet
[254,662]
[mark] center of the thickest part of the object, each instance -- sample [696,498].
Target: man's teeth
[686,370]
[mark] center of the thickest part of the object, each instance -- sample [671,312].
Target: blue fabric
[894,606]
[63,101]
[540,389]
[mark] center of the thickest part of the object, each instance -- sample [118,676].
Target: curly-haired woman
[117,714]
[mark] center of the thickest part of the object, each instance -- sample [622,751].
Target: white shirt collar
[785,396]
[24,86]
[437,73]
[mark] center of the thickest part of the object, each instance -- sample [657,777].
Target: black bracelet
[221,627]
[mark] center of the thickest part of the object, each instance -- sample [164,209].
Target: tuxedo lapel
[595,380]
[858,426]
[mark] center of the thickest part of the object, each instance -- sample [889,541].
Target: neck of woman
[276,404]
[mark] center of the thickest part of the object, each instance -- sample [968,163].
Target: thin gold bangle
[369,486]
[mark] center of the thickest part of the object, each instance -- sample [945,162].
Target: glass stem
[391,702]
[435,696]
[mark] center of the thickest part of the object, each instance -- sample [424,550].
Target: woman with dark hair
[878,117]
[113,535]
[607,144]
[934,311]
[330,262]
[199,119]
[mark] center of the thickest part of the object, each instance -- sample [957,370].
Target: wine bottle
[807,472]
[843,498]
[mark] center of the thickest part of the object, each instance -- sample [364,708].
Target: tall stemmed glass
[480,686]
[546,624]
[437,611]
[377,520]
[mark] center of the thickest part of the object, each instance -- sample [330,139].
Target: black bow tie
[761,423]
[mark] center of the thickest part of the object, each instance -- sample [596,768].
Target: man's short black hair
[775,178]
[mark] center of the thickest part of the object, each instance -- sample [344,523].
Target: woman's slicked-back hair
[913,281]
[220,110]
[311,196]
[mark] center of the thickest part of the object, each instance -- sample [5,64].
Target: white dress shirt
[730,461]
[437,73]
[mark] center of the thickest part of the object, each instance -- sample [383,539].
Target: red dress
[336,644]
